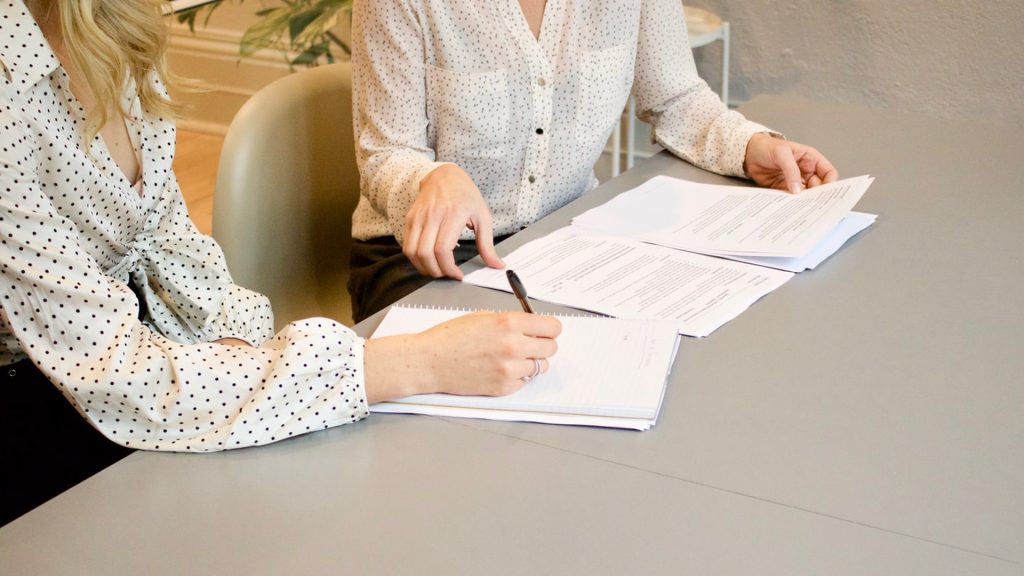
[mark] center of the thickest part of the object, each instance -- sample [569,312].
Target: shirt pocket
[469,113]
[602,92]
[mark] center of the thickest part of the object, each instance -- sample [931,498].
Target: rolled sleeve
[688,117]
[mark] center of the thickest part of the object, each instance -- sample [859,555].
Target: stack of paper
[627,278]
[607,372]
[694,254]
[792,232]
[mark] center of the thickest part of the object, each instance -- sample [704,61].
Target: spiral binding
[595,316]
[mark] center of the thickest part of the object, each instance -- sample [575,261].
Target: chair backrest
[286,188]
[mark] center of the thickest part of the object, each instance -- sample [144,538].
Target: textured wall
[953,58]
[949,58]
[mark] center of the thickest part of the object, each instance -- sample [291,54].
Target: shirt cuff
[359,353]
[740,138]
[397,212]
[245,315]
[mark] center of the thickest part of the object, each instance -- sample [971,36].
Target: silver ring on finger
[536,370]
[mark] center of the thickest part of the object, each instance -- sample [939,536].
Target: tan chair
[286,188]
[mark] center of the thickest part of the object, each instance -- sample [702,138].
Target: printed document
[627,278]
[854,223]
[727,220]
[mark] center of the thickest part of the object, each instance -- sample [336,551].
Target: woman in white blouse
[120,326]
[475,119]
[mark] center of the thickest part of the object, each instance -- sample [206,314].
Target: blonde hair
[112,41]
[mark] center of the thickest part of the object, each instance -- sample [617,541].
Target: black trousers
[380,274]
[47,447]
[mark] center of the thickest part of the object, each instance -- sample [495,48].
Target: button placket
[541,83]
[537,146]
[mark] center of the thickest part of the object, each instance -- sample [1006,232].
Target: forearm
[689,119]
[484,353]
[391,180]
[395,368]
[146,392]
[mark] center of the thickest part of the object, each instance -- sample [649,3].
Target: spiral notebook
[608,372]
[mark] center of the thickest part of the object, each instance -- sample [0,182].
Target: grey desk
[863,419]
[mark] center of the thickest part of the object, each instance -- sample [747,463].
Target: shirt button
[541,82]
[531,179]
[540,131]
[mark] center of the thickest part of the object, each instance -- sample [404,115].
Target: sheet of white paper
[640,424]
[627,278]
[716,219]
[846,229]
[604,367]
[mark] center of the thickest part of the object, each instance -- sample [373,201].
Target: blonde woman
[121,328]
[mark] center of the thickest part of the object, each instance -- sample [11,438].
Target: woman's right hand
[483,353]
[448,202]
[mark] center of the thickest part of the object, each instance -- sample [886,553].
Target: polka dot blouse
[466,82]
[74,235]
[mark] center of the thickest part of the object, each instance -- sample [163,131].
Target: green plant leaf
[266,32]
[188,16]
[310,56]
[301,21]
[308,24]
[341,43]
[315,31]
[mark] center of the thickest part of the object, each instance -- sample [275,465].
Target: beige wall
[952,58]
[956,59]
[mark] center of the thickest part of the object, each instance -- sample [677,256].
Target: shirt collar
[27,58]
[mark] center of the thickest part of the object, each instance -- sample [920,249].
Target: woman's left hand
[785,165]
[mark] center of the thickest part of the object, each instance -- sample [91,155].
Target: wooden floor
[195,165]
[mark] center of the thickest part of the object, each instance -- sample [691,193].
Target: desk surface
[865,418]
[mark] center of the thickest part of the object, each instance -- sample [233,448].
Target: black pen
[519,290]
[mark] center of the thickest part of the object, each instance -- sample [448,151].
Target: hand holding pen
[519,290]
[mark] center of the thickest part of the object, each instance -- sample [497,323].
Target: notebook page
[604,366]
[639,424]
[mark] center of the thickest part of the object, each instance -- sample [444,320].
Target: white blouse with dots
[465,81]
[74,232]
